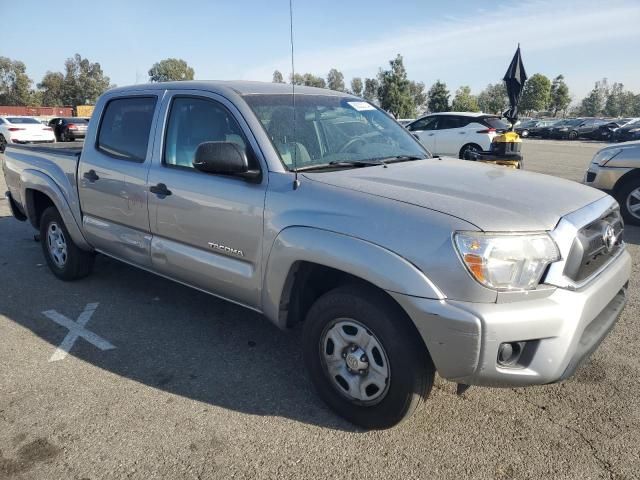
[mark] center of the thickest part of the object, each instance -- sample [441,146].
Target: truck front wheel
[364,357]
[65,259]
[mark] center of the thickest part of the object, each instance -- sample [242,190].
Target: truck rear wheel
[364,357]
[65,259]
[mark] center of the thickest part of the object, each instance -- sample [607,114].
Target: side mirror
[224,158]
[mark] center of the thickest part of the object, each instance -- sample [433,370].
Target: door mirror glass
[224,158]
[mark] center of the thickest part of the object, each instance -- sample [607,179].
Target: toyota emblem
[609,237]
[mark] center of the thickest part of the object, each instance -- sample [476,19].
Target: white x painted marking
[76,329]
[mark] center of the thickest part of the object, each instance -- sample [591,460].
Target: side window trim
[151,135]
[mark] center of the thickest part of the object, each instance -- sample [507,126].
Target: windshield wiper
[342,164]
[400,158]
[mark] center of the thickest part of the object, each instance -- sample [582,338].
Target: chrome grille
[594,246]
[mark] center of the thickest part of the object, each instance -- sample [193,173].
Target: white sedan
[24,130]
[454,133]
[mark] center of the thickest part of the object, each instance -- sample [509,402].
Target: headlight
[506,261]
[603,156]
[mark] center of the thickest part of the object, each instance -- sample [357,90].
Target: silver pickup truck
[322,210]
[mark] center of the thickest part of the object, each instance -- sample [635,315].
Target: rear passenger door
[112,177]
[207,228]
[450,136]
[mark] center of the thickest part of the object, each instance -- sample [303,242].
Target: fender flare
[373,263]
[40,182]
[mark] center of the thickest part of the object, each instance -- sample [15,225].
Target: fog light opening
[509,353]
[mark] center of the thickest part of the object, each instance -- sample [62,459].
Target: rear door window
[447,123]
[125,128]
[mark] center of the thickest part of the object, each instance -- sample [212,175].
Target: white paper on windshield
[362,106]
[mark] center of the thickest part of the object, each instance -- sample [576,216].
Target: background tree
[438,97]
[615,106]
[394,91]
[536,94]
[559,98]
[15,84]
[308,80]
[84,81]
[52,89]
[418,94]
[371,86]
[277,77]
[170,69]
[356,86]
[493,99]
[593,104]
[335,80]
[464,101]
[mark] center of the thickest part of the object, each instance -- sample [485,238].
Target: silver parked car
[616,170]
[332,215]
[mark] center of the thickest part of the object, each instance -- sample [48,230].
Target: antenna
[296,182]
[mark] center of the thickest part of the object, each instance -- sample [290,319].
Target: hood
[492,198]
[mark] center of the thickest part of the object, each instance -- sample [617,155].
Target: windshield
[633,123]
[574,122]
[330,129]
[76,120]
[22,120]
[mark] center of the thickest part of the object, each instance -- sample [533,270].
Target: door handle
[431,134]
[462,133]
[91,175]
[160,190]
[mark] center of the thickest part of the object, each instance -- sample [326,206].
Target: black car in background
[628,132]
[70,128]
[605,131]
[545,131]
[536,131]
[524,128]
[567,129]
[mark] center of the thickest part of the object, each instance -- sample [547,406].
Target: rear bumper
[561,329]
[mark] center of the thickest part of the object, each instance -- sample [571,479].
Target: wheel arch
[465,146]
[40,192]
[305,262]
[630,176]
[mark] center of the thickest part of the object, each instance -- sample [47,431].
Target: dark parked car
[567,129]
[630,131]
[524,128]
[69,129]
[605,131]
[544,131]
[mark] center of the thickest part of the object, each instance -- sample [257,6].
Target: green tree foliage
[371,86]
[335,80]
[559,98]
[593,104]
[536,94]
[464,101]
[356,86]
[52,89]
[438,97]
[84,81]
[619,102]
[308,80]
[418,94]
[394,91]
[493,99]
[15,84]
[277,77]
[170,69]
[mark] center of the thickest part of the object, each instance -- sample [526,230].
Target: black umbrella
[514,80]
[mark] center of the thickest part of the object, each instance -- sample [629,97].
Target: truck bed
[66,148]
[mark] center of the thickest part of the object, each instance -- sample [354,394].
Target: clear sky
[462,42]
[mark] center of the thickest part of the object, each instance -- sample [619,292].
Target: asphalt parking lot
[195,387]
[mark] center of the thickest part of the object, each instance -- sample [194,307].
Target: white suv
[453,133]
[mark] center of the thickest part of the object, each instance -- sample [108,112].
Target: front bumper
[561,328]
[603,178]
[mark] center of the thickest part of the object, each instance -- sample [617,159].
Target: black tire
[411,370]
[63,136]
[78,263]
[573,135]
[3,144]
[622,194]
[469,147]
